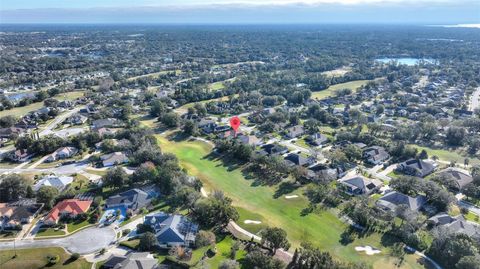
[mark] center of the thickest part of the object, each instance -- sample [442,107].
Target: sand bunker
[252,221]
[291,196]
[368,250]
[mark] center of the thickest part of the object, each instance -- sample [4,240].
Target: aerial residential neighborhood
[301,140]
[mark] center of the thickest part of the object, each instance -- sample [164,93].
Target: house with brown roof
[68,207]
[12,215]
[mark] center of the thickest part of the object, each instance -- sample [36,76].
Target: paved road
[59,119]
[86,241]
[475,101]
[474,209]
[64,169]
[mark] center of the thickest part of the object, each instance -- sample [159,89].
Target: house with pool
[133,199]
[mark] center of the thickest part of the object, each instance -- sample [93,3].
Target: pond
[405,60]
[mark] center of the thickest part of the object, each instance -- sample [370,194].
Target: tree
[170,119]
[353,152]
[204,238]
[8,121]
[275,238]
[13,187]
[215,211]
[455,136]
[115,177]
[148,241]
[158,108]
[448,249]
[190,128]
[407,185]
[46,195]
[229,264]
[468,262]
[258,260]
[423,155]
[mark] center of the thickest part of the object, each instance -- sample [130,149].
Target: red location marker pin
[235,123]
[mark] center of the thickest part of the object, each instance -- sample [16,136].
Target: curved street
[87,241]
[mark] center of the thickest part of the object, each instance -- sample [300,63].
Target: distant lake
[405,61]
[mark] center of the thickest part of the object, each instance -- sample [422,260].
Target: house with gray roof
[133,199]
[359,185]
[114,158]
[295,131]
[317,139]
[172,230]
[375,155]
[417,167]
[456,224]
[393,199]
[133,260]
[293,159]
[457,176]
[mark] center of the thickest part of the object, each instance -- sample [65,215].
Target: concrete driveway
[87,241]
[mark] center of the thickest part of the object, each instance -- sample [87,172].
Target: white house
[59,182]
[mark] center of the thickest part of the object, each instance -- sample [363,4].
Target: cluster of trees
[455,250]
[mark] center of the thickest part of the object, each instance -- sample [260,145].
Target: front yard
[36,259]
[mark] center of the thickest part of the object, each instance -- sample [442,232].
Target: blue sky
[240,11]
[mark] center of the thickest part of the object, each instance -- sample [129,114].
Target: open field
[323,229]
[339,72]
[36,258]
[330,91]
[447,155]
[156,74]
[215,86]
[22,111]
[184,108]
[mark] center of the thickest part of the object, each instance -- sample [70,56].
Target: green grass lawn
[330,91]
[447,155]
[223,253]
[35,258]
[133,244]
[49,232]
[72,227]
[156,74]
[323,229]
[22,111]
[216,86]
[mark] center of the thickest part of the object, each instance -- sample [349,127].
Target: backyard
[324,229]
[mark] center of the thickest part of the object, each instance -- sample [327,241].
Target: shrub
[52,259]
[75,256]
[204,238]
[126,232]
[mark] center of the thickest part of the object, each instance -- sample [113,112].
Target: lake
[405,60]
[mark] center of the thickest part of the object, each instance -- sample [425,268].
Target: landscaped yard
[36,259]
[223,253]
[133,244]
[330,91]
[323,229]
[49,232]
[72,227]
[21,111]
